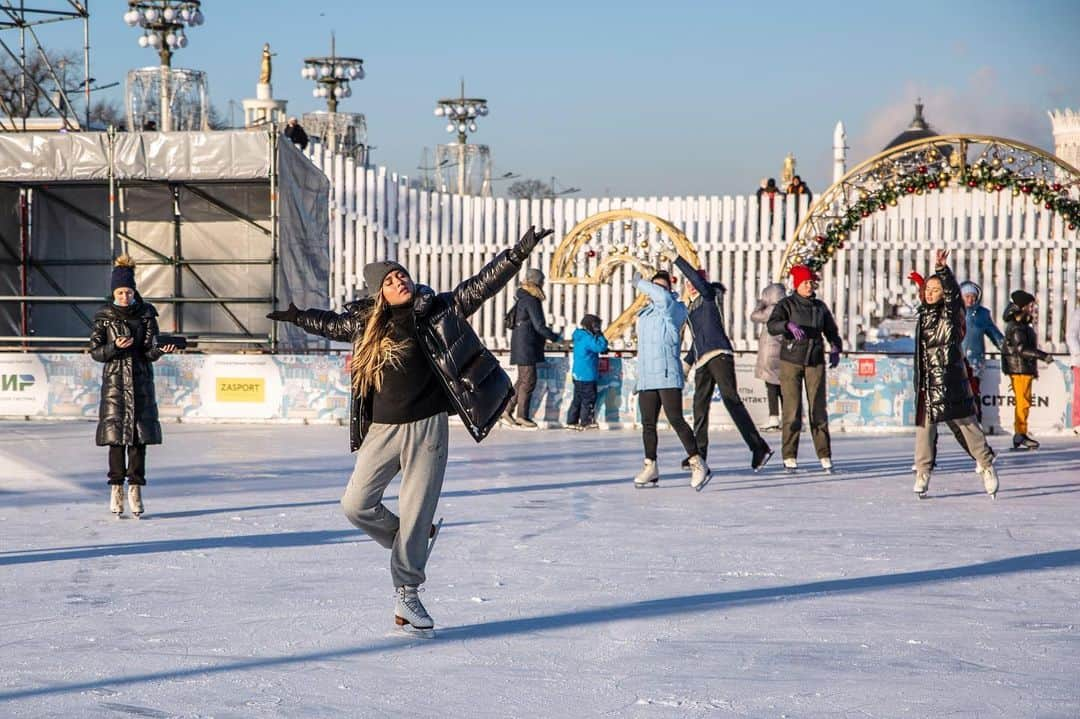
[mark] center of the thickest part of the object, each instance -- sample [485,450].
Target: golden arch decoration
[932,164]
[567,266]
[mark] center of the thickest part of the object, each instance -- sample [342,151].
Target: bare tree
[39,83]
[105,113]
[529,189]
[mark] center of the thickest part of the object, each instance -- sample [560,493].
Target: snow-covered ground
[558,590]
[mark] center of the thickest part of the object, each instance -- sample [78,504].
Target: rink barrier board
[867,393]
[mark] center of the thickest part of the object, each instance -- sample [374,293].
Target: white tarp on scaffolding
[202,197]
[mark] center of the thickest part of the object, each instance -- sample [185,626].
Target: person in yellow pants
[1019,360]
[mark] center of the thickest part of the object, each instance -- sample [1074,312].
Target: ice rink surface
[557,589]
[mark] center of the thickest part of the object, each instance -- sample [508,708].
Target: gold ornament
[644,244]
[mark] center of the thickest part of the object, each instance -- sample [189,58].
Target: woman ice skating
[804,323]
[1020,360]
[660,375]
[942,389]
[415,360]
[125,338]
[712,358]
[767,367]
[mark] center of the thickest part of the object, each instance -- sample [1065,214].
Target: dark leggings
[134,469]
[773,390]
[649,402]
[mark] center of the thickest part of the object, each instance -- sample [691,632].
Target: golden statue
[788,173]
[265,70]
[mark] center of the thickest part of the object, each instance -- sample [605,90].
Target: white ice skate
[700,474]
[116,500]
[922,484]
[791,465]
[826,465]
[410,615]
[649,476]
[772,425]
[990,480]
[135,500]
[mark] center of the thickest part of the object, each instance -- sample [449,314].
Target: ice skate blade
[646,485]
[420,632]
[764,461]
[920,495]
[703,482]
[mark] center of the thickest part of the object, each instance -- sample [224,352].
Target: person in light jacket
[767,366]
[660,375]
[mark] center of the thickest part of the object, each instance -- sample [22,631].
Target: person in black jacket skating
[942,386]
[712,358]
[125,338]
[530,331]
[1020,357]
[804,322]
[415,360]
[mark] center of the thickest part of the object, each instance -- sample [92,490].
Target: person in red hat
[803,322]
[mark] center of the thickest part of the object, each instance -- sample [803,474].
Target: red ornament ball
[821,239]
[972,183]
[1026,189]
[922,169]
[1056,187]
[910,189]
[591,253]
[1049,205]
[1000,188]
[932,185]
[1072,227]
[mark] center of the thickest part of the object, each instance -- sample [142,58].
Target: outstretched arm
[485,284]
[705,289]
[324,323]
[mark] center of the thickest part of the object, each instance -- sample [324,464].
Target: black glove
[520,252]
[289,315]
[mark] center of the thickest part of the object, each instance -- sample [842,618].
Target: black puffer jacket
[1020,353]
[530,328]
[478,388]
[942,388]
[815,319]
[128,413]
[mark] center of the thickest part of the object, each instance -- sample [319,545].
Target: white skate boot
[116,499]
[772,424]
[700,474]
[990,480]
[135,500]
[649,476]
[922,484]
[410,615]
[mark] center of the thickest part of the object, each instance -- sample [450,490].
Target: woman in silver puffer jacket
[767,367]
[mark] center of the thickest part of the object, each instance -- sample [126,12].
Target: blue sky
[637,98]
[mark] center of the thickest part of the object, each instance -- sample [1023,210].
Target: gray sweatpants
[419,450]
[968,428]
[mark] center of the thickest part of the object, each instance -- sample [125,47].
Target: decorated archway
[933,164]
[589,256]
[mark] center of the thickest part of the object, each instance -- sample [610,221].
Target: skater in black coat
[942,387]
[1020,358]
[125,339]
[416,359]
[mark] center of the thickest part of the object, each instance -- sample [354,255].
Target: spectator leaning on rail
[589,344]
[713,362]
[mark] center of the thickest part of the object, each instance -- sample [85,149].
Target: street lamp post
[461,113]
[163,23]
[332,75]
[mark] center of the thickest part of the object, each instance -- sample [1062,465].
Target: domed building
[919,129]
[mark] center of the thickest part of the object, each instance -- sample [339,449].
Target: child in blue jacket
[589,343]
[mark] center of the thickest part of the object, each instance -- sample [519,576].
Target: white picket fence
[1002,242]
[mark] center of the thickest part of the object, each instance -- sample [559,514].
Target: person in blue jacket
[713,361]
[979,326]
[589,343]
[660,375]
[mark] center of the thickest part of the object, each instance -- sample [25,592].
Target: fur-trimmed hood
[533,289]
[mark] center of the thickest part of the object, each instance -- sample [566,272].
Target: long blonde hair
[375,349]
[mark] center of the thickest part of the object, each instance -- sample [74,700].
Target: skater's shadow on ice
[649,609]
[275,540]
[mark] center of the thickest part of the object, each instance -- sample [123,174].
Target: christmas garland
[990,176]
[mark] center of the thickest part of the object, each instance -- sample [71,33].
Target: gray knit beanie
[534,276]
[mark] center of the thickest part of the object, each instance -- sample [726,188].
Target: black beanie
[376,272]
[123,273]
[1022,299]
[662,275]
